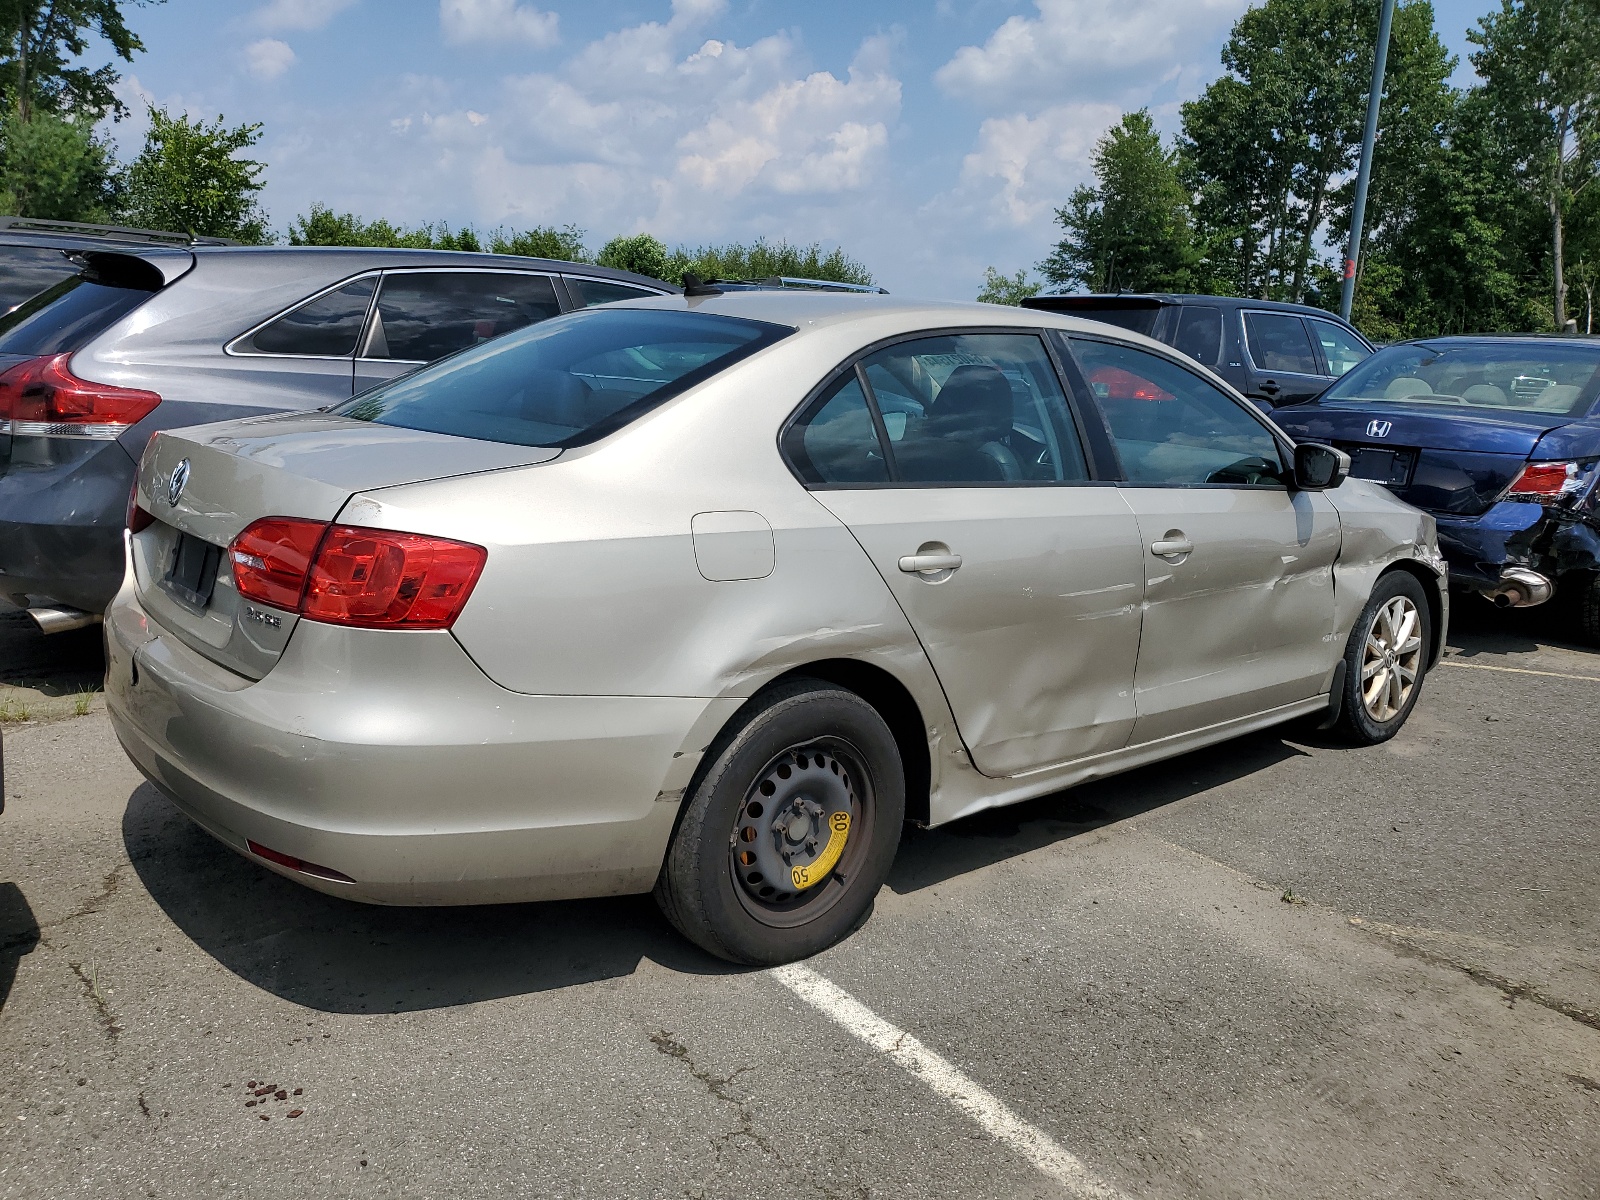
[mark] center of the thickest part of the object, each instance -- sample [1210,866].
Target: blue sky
[929,139]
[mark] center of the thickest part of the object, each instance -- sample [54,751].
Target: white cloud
[1027,166]
[1076,48]
[299,14]
[268,58]
[465,21]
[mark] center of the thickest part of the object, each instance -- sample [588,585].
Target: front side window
[1539,378]
[1172,427]
[1340,348]
[1278,342]
[425,315]
[974,408]
[566,381]
[326,327]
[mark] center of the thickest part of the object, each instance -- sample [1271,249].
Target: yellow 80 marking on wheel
[804,877]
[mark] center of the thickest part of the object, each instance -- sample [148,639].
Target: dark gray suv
[141,338]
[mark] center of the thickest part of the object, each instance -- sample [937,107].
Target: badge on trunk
[1374,429]
[179,480]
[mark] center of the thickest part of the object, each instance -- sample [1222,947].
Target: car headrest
[974,405]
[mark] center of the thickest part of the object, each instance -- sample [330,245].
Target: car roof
[1179,299]
[805,310]
[1509,339]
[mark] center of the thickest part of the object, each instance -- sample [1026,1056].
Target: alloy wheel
[1391,659]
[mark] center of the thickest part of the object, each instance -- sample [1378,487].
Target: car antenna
[694,285]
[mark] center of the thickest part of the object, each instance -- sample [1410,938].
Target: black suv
[1276,354]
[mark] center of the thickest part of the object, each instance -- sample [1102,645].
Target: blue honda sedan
[1498,438]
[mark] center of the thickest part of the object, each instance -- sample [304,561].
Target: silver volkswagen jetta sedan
[709,594]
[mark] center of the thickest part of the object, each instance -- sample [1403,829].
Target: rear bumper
[1517,534]
[391,759]
[61,525]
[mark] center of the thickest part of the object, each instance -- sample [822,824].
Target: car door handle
[1270,387]
[913,564]
[1171,547]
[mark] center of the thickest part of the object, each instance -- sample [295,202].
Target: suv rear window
[566,381]
[64,317]
[27,270]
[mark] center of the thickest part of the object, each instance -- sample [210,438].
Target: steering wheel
[1254,469]
[1002,454]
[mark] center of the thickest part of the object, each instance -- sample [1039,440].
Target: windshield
[566,381]
[1534,377]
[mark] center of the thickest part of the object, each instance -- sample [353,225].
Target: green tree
[1267,147]
[188,178]
[641,253]
[762,259]
[542,241]
[1006,289]
[42,43]
[1130,231]
[56,168]
[1540,64]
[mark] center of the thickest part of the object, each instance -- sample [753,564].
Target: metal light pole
[1380,62]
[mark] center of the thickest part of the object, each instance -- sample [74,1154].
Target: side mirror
[1317,467]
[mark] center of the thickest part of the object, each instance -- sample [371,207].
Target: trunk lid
[288,465]
[1458,462]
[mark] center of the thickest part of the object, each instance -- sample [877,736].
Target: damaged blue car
[1498,438]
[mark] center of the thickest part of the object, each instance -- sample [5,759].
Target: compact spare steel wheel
[789,831]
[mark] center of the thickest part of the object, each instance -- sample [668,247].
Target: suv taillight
[346,575]
[43,398]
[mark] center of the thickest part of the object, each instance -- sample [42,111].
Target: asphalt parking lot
[1275,968]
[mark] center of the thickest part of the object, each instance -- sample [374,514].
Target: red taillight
[43,398]
[384,580]
[272,558]
[346,575]
[1546,481]
[137,518]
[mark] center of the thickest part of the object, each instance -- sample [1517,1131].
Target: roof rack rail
[822,285]
[111,232]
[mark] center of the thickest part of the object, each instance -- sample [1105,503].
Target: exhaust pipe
[62,620]
[1520,588]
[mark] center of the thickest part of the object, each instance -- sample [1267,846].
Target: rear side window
[604,291]
[566,381]
[1278,342]
[1200,334]
[837,440]
[65,316]
[426,315]
[326,327]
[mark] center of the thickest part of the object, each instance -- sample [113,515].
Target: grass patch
[82,702]
[14,713]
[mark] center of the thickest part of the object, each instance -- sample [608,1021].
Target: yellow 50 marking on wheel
[804,877]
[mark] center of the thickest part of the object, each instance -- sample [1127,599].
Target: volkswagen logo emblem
[179,480]
[1374,429]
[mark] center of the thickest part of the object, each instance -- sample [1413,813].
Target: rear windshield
[27,270]
[565,381]
[65,316]
[1140,318]
[1534,377]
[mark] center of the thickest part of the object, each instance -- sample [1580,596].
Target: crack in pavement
[108,1019]
[672,1048]
[1406,943]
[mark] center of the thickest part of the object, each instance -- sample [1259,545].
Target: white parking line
[982,1105]
[1451,662]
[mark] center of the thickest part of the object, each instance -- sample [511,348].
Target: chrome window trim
[568,275]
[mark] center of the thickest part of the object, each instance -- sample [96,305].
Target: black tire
[835,754]
[1579,593]
[1366,724]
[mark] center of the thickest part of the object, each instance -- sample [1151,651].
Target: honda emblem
[1379,428]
